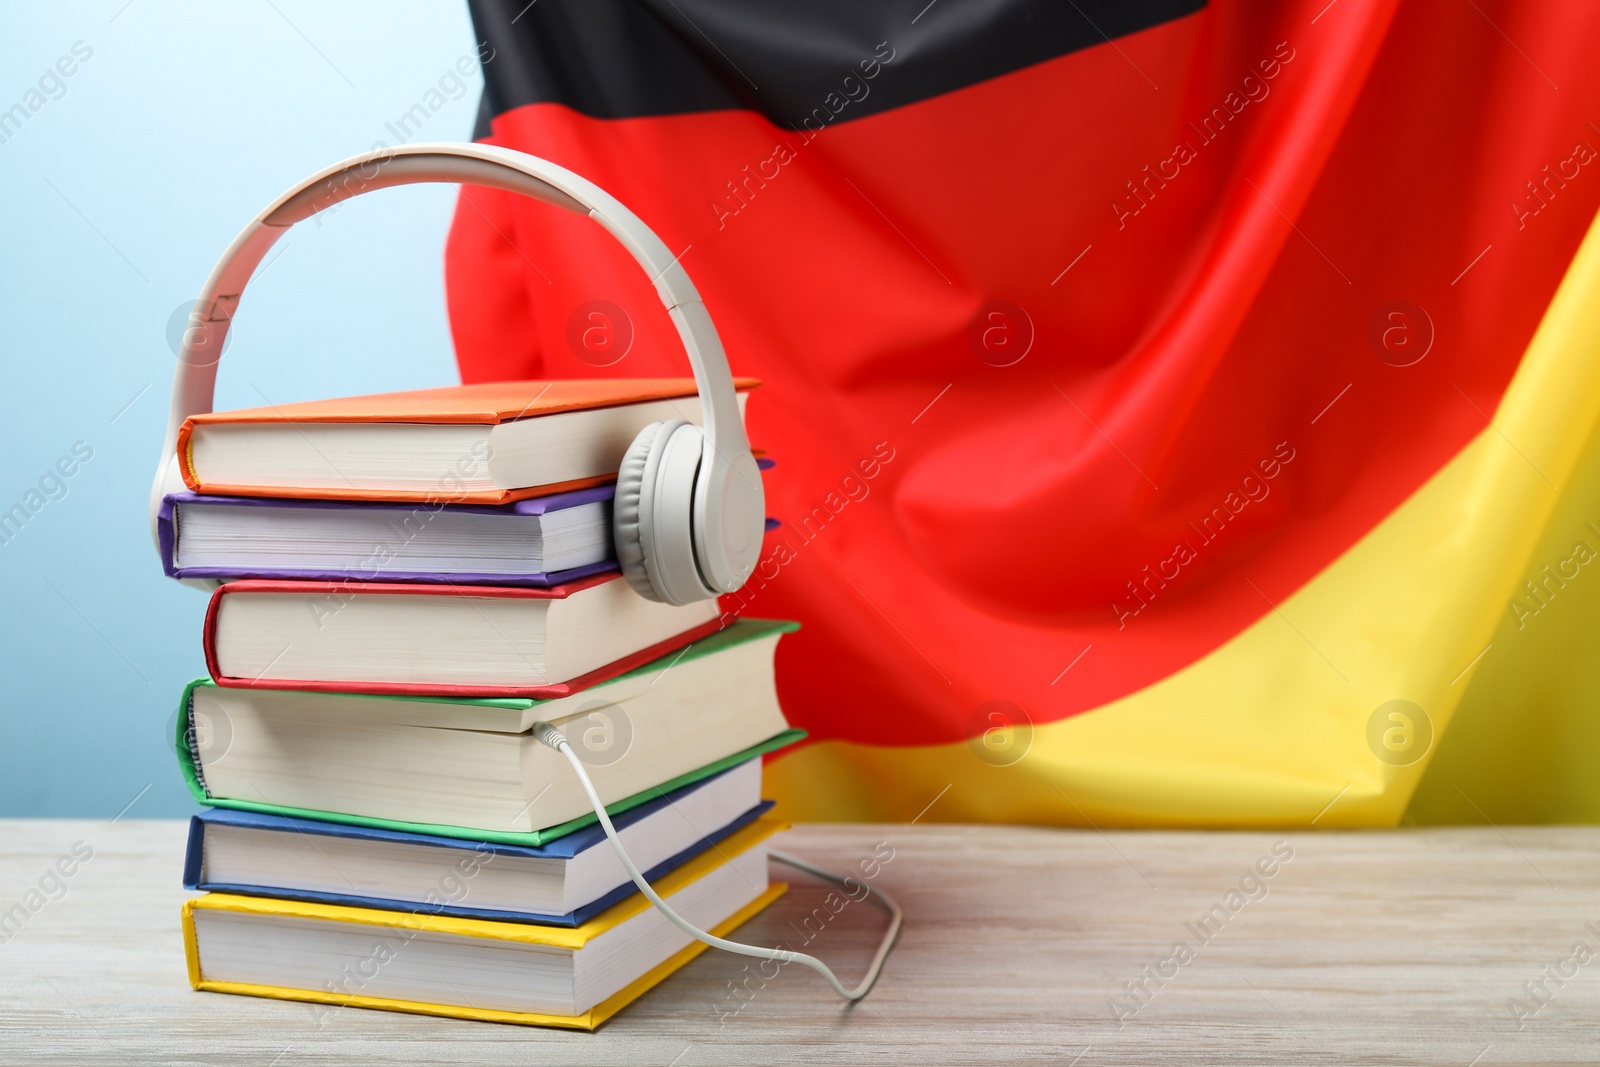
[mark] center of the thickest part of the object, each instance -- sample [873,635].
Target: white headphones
[689,508]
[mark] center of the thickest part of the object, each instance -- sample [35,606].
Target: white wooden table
[1400,947]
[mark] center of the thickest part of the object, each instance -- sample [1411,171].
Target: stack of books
[411,582]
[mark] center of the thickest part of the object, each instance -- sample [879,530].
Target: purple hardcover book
[228,537]
[540,542]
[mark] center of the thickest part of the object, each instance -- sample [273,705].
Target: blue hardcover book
[564,883]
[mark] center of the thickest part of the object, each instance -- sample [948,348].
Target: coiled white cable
[551,736]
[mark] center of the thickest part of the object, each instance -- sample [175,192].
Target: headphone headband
[193,387]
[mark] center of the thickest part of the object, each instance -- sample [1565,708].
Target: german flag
[1185,413]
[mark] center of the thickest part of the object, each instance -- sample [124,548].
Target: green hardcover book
[472,768]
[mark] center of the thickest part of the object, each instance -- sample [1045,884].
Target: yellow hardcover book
[571,977]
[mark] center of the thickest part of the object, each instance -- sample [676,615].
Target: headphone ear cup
[666,523]
[636,481]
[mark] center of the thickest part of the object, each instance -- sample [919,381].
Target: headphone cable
[549,735]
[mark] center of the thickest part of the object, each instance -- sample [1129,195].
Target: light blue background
[118,197]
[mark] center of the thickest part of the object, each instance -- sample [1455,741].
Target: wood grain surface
[1020,946]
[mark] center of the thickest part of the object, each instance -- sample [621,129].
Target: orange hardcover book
[490,443]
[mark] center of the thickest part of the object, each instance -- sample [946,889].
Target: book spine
[186,455]
[194,854]
[167,535]
[208,633]
[192,742]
